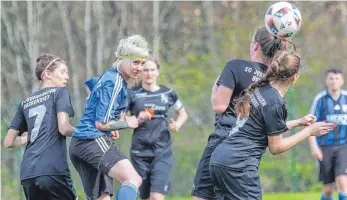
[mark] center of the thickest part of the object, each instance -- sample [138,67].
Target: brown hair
[155,61]
[284,65]
[270,44]
[43,61]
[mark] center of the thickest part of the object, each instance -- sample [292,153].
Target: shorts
[93,159]
[155,173]
[203,187]
[334,163]
[236,185]
[49,187]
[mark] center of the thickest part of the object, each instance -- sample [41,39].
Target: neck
[47,84]
[281,87]
[150,87]
[258,58]
[335,94]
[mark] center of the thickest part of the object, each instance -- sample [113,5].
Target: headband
[43,71]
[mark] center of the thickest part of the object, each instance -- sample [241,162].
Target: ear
[295,77]
[256,46]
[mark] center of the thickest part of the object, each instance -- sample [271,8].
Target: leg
[143,166]
[326,173]
[203,188]
[95,184]
[160,177]
[341,171]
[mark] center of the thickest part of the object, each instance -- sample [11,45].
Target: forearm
[69,130]
[181,120]
[293,124]
[289,142]
[112,125]
[313,142]
[19,141]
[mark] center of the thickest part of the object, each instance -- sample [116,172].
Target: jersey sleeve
[63,102]
[315,108]
[107,96]
[19,123]
[228,78]
[275,116]
[176,103]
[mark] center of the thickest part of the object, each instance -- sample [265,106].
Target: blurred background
[193,41]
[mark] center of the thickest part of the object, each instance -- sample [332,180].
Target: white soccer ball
[283,19]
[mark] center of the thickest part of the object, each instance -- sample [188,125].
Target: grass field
[277,196]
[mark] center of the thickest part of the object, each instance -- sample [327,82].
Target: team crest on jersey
[337,107]
[164,98]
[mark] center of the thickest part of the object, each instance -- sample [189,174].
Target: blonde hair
[132,46]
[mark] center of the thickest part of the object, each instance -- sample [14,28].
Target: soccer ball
[283,19]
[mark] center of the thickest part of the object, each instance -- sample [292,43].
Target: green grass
[276,196]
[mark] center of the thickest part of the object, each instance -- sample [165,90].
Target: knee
[135,179]
[156,196]
[341,182]
[328,190]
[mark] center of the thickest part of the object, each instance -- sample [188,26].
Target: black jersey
[247,141]
[152,137]
[238,75]
[45,152]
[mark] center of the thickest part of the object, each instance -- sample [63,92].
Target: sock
[342,195]
[326,198]
[127,191]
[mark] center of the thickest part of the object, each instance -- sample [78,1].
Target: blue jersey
[107,101]
[324,107]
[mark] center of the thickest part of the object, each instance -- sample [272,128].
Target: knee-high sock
[342,195]
[326,198]
[127,191]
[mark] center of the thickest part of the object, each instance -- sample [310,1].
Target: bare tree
[89,43]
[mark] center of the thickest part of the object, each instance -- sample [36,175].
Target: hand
[143,115]
[307,120]
[132,122]
[320,128]
[114,135]
[173,125]
[317,153]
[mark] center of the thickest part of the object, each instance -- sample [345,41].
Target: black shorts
[203,187]
[155,173]
[235,185]
[93,159]
[334,163]
[50,187]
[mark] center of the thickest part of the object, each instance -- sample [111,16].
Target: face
[135,68]
[59,76]
[334,81]
[150,73]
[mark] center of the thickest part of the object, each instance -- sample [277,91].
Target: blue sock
[326,198]
[342,195]
[127,191]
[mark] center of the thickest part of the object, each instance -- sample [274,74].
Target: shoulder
[238,63]
[271,96]
[165,89]
[344,93]
[110,78]
[320,95]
